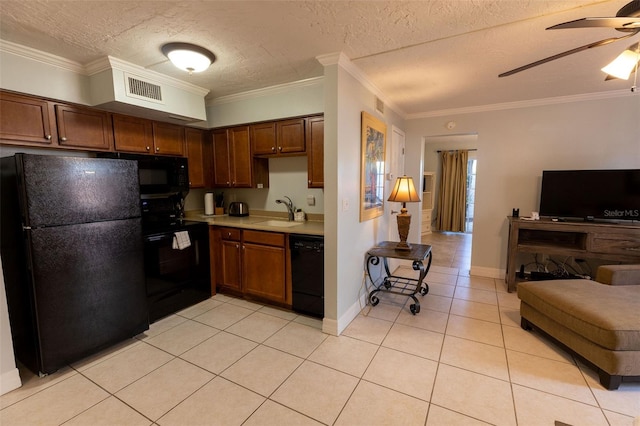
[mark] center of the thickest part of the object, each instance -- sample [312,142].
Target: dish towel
[181,240]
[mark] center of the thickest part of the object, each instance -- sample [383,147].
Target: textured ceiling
[424,56]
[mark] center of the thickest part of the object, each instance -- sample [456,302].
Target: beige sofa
[597,320]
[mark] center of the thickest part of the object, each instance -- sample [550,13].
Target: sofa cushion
[618,274]
[608,316]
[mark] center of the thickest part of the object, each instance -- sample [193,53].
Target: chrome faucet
[289,205]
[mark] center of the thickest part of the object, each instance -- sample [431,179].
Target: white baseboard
[10,380]
[334,327]
[479,271]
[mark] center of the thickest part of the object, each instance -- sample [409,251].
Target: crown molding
[266,91]
[341,59]
[523,104]
[99,65]
[40,56]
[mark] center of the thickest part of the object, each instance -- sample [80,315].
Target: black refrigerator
[72,255]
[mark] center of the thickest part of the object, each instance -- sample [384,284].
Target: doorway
[454,248]
[472,164]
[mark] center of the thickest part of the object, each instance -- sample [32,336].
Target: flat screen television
[591,194]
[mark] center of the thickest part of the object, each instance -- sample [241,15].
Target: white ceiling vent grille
[379,105]
[141,89]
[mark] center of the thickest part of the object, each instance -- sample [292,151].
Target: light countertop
[261,222]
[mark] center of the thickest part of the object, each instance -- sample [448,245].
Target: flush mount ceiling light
[188,57]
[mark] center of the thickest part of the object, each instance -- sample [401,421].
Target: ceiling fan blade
[567,53]
[627,22]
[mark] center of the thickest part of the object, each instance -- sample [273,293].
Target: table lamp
[404,192]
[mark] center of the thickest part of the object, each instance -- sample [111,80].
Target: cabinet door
[84,128]
[291,136]
[132,134]
[168,139]
[26,120]
[240,148]
[225,258]
[263,138]
[263,271]
[315,151]
[221,157]
[230,265]
[195,157]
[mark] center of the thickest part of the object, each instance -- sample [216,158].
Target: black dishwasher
[307,274]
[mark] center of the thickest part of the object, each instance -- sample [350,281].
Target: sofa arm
[619,274]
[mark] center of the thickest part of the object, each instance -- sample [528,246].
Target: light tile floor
[463,360]
[453,248]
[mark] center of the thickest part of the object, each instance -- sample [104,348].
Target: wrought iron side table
[397,284]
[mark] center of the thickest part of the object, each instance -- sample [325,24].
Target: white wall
[516,145]
[346,238]
[62,81]
[287,100]
[9,374]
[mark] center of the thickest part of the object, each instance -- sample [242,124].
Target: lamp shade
[188,57]
[404,191]
[625,63]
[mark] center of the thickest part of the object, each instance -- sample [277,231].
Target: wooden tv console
[616,242]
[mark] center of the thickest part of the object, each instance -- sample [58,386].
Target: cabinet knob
[309,181]
[238,246]
[148,149]
[228,183]
[273,149]
[157,149]
[63,139]
[48,137]
[280,148]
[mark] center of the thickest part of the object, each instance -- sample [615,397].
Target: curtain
[452,197]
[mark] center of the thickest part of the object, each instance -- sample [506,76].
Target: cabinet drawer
[627,244]
[266,238]
[231,234]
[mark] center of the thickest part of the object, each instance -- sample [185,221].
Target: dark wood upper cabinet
[233,164]
[196,158]
[139,135]
[132,134]
[240,160]
[290,136]
[284,137]
[263,138]
[26,120]
[315,151]
[221,158]
[168,139]
[85,128]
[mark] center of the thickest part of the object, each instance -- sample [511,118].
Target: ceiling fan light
[623,65]
[188,57]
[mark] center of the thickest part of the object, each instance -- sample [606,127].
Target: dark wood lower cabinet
[250,264]
[263,265]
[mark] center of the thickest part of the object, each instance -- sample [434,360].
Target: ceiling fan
[626,20]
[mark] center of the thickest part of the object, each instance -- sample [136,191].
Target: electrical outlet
[311,200]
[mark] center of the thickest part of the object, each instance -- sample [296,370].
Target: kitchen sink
[279,223]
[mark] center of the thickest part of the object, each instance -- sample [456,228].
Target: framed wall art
[374,137]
